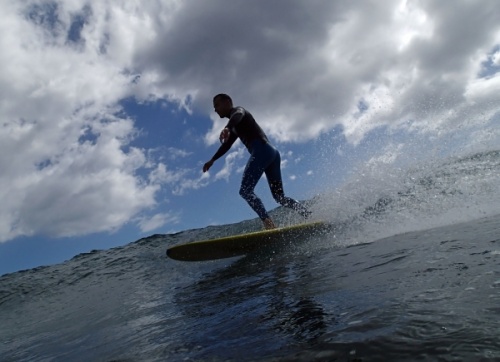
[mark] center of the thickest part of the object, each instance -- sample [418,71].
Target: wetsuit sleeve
[225,146]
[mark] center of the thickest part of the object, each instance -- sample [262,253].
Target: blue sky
[107,117]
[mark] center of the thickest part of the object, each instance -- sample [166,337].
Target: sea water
[409,272]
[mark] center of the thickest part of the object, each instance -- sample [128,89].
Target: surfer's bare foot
[268,224]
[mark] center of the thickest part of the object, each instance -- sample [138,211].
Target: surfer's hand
[207,165]
[224,135]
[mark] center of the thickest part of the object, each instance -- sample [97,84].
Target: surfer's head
[222,105]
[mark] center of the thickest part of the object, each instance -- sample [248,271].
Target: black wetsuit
[264,158]
[241,124]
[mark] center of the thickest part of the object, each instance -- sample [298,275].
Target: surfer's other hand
[207,165]
[224,135]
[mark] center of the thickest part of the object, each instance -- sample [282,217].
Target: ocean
[409,272]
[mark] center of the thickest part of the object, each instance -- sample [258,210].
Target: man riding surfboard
[264,158]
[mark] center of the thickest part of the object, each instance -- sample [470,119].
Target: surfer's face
[222,107]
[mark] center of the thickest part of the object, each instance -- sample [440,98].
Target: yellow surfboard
[235,245]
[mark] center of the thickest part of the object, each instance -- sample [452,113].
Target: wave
[374,204]
[380,201]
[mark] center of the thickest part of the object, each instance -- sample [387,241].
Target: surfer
[263,158]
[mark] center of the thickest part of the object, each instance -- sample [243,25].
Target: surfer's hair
[223,96]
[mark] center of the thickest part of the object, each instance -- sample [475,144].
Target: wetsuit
[263,158]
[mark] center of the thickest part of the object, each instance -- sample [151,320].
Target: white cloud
[229,163]
[305,74]
[191,184]
[65,170]
[284,163]
[495,58]
[156,221]
[162,175]
[178,153]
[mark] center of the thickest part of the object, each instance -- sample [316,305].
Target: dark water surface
[429,295]
[432,294]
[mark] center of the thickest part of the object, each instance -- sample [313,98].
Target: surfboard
[242,244]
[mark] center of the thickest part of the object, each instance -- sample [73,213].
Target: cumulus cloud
[148,224]
[306,67]
[67,168]
[301,67]
[229,164]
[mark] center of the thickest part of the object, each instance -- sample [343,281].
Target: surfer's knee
[246,193]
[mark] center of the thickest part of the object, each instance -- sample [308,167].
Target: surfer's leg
[278,194]
[273,174]
[253,172]
[263,154]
